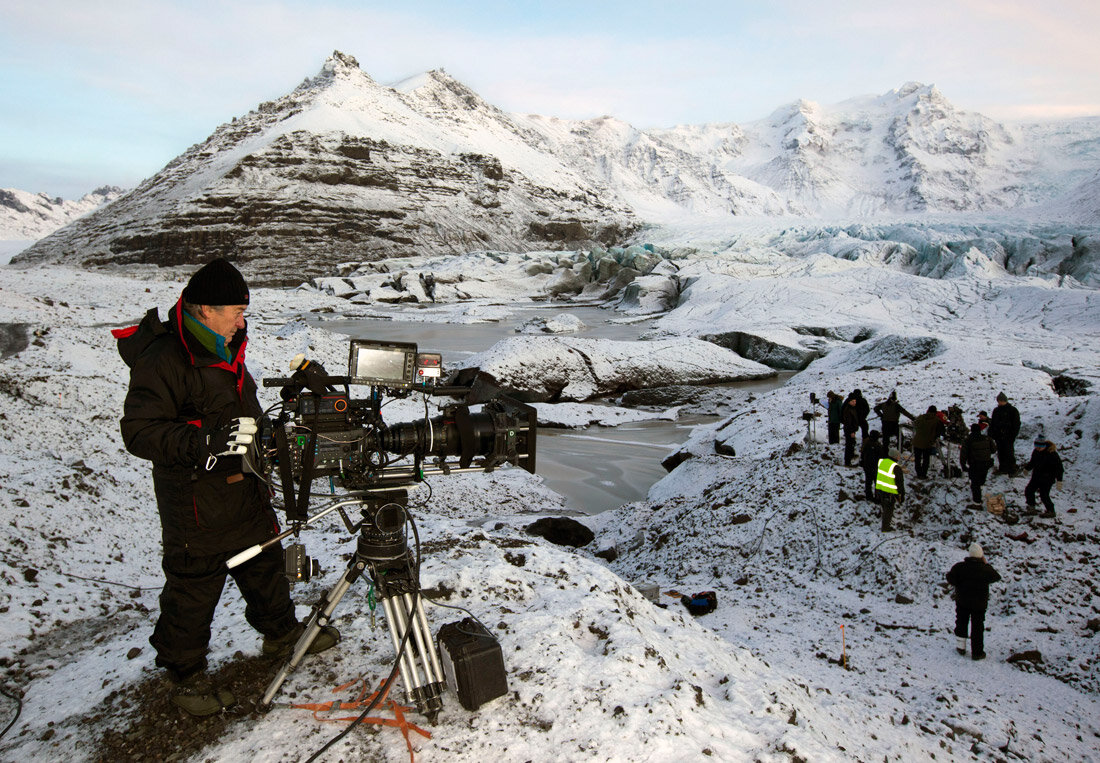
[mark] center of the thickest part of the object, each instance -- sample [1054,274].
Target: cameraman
[190,410]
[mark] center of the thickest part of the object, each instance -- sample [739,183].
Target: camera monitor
[382,364]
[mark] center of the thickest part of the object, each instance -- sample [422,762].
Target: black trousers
[870,477]
[975,618]
[834,433]
[891,429]
[193,585]
[921,457]
[849,448]
[1043,488]
[887,502]
[977,479]
[1006,453]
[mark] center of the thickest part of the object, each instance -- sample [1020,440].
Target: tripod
[382,552]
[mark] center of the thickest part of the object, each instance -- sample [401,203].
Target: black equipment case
[472,663]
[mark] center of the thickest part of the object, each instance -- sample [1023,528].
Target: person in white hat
[972,578]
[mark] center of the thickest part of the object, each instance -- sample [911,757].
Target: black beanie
[216,284]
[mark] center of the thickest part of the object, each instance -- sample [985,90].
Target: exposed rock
[562,531]
[766,350]
[1033,656]
[14,338]
[669,463]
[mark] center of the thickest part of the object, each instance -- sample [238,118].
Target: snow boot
[326,638]
[196,695]
[960,645]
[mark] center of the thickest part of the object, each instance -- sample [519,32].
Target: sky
[106,92]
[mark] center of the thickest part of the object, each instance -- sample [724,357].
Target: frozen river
[595,468]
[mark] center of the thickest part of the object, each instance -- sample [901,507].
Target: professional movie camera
[322,431]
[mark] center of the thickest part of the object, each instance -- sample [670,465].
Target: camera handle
[296,528]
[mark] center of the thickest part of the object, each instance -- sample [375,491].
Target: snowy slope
[596,672]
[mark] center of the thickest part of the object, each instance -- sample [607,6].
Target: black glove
[233,439]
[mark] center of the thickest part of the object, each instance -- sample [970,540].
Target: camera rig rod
[256,550]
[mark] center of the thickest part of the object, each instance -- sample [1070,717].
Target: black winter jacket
[1045,466]
[1004,422]
[849,418]
[971,578]
[869,454]
[179,391]
[977,451]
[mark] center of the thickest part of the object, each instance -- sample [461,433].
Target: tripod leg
[322,612]
[432,666]
[423,683]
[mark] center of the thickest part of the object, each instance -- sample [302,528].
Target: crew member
[890,487]
[190,410]
[976,456]
[890,410]
[1004,427]
[1046,471]
[971,578]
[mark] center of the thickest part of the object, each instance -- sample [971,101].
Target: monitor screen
[385,365]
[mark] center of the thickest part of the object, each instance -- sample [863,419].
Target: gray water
[595,468]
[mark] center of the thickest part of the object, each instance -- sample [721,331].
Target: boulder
[562,531]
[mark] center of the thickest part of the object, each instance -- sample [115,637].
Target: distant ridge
[343,169]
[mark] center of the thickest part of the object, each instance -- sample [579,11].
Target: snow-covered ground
[831,640]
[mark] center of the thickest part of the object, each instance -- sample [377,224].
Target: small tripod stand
[382,552]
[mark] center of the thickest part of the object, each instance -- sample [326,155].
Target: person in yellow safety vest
[890,487]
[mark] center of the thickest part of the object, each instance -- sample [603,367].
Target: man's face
[224,320]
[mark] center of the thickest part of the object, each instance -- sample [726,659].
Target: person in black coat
[976,457]
[870,452]
[834,405]
[1004,427]
[1046,470]
[849,419]
[927,430]
[972,578]
[191,409]
[890,411]
[863,409]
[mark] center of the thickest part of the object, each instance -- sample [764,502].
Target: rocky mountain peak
[340,64]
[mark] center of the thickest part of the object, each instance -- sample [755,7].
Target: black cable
[92,580]
[18,712]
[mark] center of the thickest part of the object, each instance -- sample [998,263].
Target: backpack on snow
[700,603]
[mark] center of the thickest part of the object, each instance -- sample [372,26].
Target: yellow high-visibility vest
[886,482]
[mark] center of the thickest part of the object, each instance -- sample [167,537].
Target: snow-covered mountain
[344,169]
[29,216]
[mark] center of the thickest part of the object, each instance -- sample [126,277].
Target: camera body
[324,431]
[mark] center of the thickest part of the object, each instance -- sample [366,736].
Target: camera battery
[472,663]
